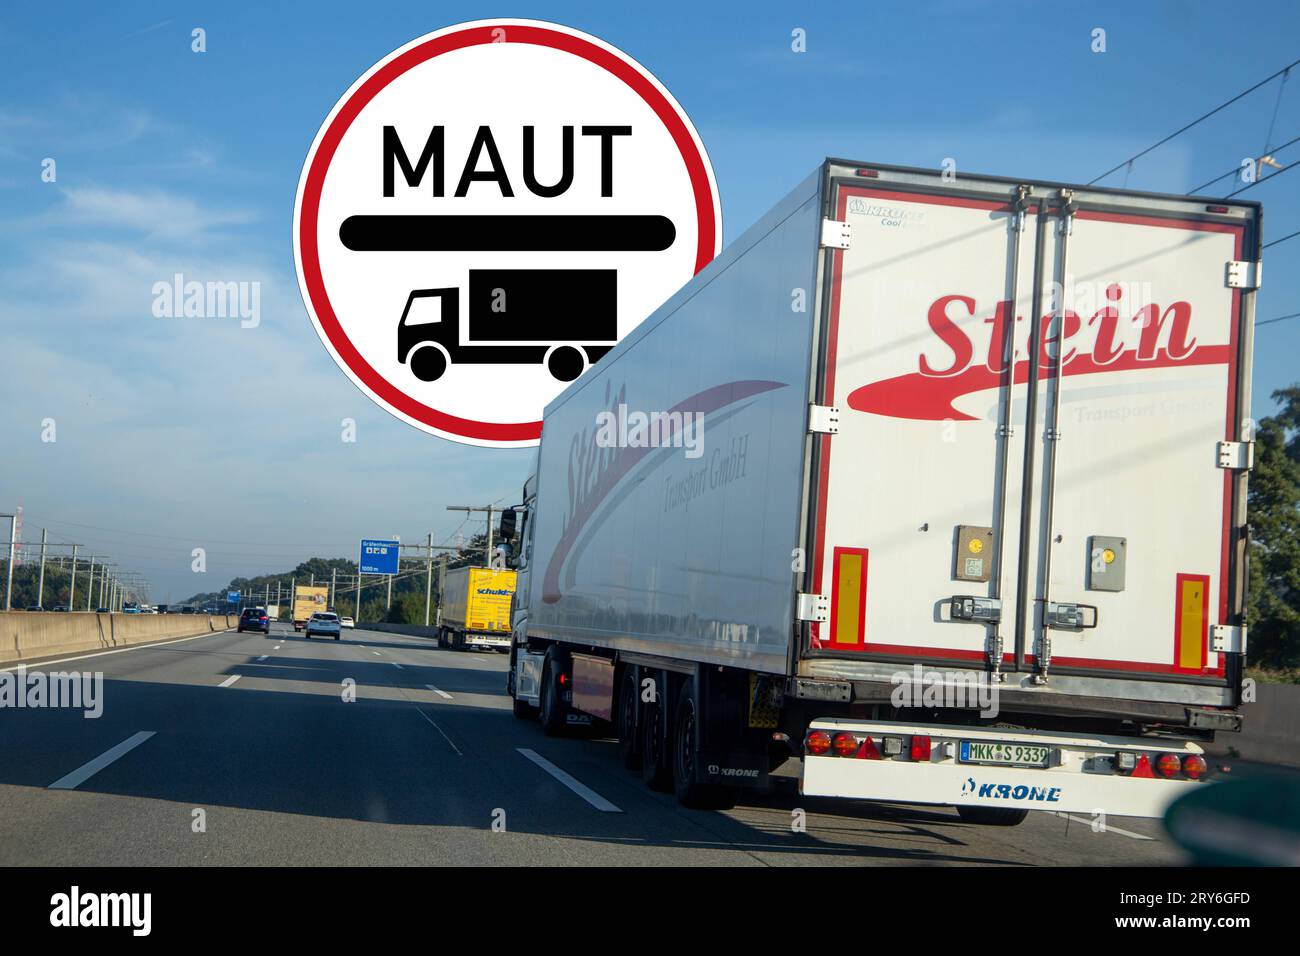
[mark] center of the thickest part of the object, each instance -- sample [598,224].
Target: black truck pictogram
[565,318]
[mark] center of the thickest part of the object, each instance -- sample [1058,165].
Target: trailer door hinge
[812,607]
[1245,275]
[836,234]
[824,419]
[1237,455]
[1228,639]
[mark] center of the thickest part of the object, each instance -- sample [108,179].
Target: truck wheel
[442,637]
[566,363]
[552,709]
[427,362]
[655,769]
[691,793]
[522,709]
[629,745]
[993,816]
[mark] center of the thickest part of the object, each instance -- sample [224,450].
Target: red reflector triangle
[868,750]
[1143,768]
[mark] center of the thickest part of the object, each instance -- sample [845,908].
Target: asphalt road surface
[241,749]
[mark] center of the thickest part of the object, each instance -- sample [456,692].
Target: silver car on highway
[324,623]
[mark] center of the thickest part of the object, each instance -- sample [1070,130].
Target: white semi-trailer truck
[935,484]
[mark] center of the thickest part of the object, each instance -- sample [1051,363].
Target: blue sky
[175,435]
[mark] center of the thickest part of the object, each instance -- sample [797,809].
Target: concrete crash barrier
[27,636]
[413,630]
[1270,728]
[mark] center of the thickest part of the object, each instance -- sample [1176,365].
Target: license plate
[1001,754]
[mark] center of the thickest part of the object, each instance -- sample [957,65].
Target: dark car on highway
[254,619]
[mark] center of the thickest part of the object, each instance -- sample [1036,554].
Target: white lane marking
[83,773]
[1107,828]
[581,789]
[276,648]
[262,658]
[441,693]
[230,680]
[137,647]
[397,665]
[376,653]
[441,731]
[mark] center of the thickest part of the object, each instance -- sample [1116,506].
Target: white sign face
[486,212]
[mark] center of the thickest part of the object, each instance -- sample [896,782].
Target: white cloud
[155,213]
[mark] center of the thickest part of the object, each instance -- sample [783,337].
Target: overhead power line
[1266,179]
[1280,318]
[1199,119]
[1236,169]
[1283,239]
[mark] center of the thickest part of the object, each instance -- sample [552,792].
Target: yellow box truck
[307,600]
[476,608]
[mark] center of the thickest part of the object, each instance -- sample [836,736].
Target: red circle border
[320,160]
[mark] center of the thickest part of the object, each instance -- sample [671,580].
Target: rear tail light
[1194,766]
[1169,765]
[844,745]
[920,749]
[817,743]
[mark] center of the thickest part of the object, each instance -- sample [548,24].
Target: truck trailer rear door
[1085,526]
[913,489]
[1129,545]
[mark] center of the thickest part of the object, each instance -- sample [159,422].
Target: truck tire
[685,755]
[553,710]
[442,637]
[522,709]
[656,766]
[993,816]
[629,743]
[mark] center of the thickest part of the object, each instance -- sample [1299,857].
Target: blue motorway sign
[232,597]
[378,557]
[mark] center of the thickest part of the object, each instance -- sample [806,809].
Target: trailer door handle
[1070,617]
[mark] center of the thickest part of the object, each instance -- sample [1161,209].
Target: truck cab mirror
[506,531]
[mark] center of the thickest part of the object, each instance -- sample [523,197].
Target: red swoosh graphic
[709,400]
[930,399]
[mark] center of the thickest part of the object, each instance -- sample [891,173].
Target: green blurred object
[1240,822]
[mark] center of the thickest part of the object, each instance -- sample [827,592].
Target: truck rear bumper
[1079,777]
[473,639]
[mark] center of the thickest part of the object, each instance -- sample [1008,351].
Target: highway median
[28,636]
